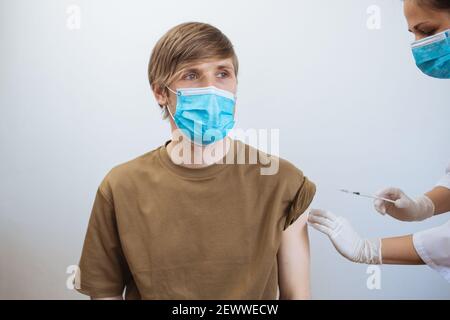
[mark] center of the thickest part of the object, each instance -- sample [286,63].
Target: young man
[188,220]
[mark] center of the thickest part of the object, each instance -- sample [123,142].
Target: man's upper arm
[294,260]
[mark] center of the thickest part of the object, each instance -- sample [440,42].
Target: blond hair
[183,45]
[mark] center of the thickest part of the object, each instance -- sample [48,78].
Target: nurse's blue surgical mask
[432,55]
[204,115]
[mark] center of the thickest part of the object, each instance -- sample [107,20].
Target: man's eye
[223,74]
[190,76]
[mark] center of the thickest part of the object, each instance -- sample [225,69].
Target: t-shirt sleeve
[103,268]
[302,198]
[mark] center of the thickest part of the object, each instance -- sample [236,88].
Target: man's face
[423,21]
[217,73]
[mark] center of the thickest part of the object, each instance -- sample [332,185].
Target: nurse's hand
[404,208]
[344,238]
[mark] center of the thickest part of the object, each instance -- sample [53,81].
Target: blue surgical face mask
[204,115]
[432,55]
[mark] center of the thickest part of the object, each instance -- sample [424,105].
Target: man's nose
[209,81]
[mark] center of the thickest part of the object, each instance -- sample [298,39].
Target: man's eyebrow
[199,70]
[189,69]
[225,66]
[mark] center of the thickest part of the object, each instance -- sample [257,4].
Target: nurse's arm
[399,250]
[441,199]
[293,261]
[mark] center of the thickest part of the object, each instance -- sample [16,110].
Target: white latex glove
[405,208]
[346,241]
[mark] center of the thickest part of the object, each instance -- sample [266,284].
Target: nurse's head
[429,21]
[427,17]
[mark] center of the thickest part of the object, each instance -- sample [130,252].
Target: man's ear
[160,95]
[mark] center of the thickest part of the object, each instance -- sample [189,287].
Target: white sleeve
[433,246]
[445,180]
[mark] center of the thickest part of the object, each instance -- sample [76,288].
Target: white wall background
[352,108]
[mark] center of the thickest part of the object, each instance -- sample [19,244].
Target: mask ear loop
[168,105]
[170,113]
[174,92]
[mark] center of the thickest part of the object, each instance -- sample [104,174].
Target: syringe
[366,195]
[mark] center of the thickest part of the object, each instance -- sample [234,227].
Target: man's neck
[200,156]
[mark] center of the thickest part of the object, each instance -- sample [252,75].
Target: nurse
[429,21]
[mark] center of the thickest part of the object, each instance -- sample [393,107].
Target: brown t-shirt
[164,231]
